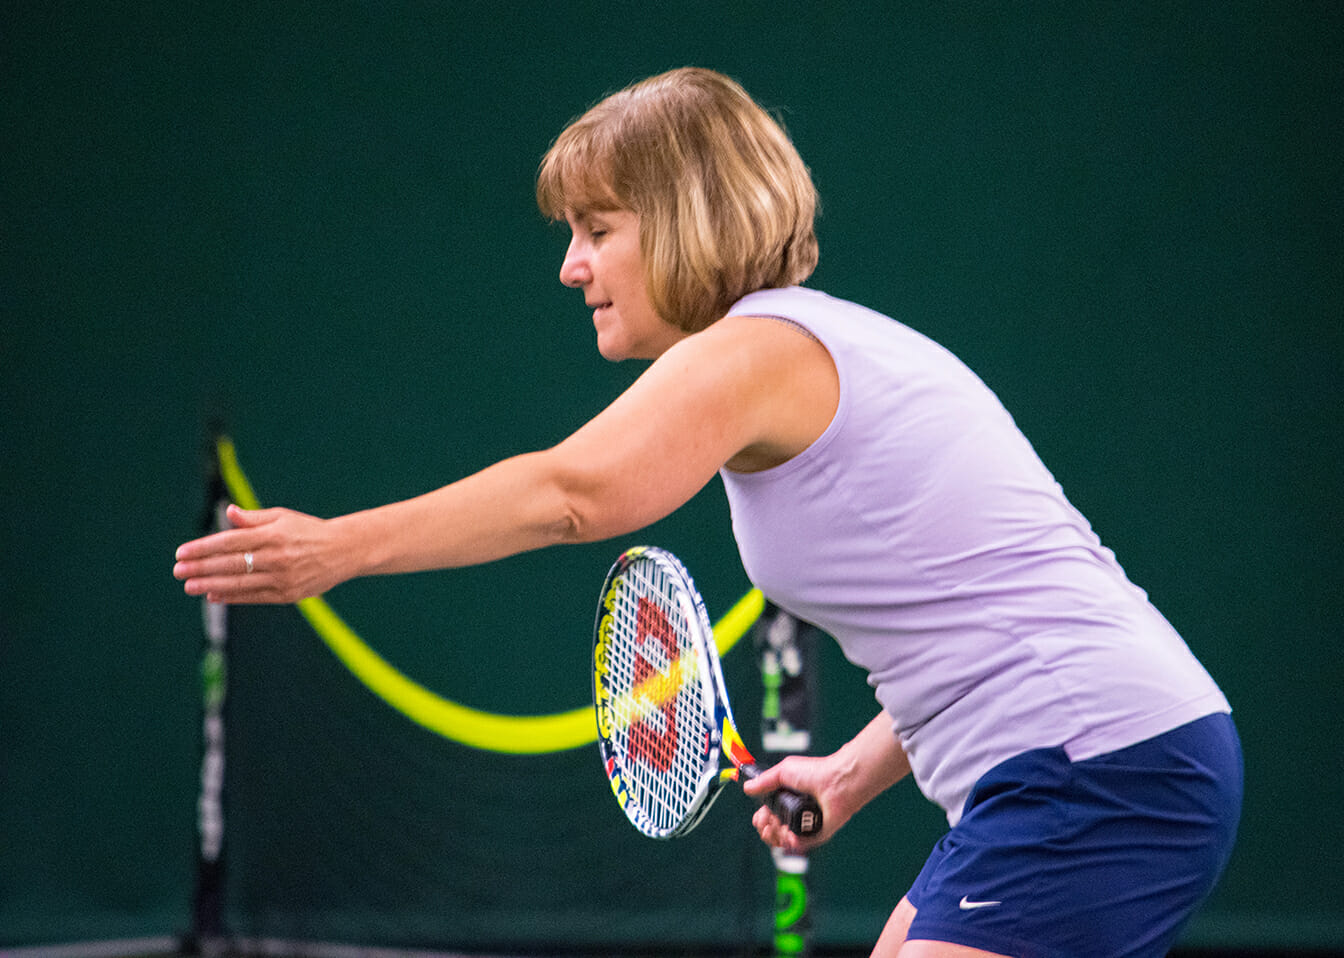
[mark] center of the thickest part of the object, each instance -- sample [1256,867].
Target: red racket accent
[735,747]
[647,743]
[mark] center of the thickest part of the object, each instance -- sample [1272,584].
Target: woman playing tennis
[1087,763]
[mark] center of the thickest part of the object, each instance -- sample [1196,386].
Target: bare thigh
[892,943]
[893,935]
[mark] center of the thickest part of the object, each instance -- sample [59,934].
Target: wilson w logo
[653,738]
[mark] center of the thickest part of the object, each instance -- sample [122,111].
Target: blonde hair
[726,204]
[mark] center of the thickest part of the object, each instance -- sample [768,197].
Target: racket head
[657,692]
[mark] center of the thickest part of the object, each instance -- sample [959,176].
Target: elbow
[583,514]
[582,504]
[581,520]
[567,514]
[570,527]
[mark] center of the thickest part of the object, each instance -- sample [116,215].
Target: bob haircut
[726,204]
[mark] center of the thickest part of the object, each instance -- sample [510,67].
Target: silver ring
[247,560]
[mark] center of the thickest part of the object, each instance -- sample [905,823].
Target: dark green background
[316,222]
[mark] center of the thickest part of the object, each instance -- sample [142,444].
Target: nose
[574,271]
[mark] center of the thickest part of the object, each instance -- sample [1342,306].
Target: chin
[610,351]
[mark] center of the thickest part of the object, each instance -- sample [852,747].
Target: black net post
[207,933]
[786,652]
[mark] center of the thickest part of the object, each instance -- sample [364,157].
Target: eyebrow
[584,216]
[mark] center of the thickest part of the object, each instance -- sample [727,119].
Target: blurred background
[313,225]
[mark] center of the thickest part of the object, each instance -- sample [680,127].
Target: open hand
[269,556]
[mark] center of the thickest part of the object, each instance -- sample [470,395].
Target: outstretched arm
[743,385]
[843,782]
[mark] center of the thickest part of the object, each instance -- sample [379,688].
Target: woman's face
[604,261]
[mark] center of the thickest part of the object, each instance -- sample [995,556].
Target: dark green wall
[316,223]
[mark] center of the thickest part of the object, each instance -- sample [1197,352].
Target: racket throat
[746,772]
[736,750]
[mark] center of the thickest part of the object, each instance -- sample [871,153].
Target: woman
[1084,758]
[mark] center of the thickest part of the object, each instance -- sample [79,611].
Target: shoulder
[752,345]
[768,372]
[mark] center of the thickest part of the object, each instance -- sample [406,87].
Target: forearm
[513,506]
[871,762]
[279,555]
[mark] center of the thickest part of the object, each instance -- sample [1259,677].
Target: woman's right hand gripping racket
[663,719]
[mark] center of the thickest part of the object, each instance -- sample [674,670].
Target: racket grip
[801,812]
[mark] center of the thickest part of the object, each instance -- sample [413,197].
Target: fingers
[234,540]
[216,568]
[774,832]
[241,518]
[270,556]
[231,560]
[801,774]
[229,565]
[764,783]
[228,590]
[226,578]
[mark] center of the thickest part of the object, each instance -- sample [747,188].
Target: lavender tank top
[922,531]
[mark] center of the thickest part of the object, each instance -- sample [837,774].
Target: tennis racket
[663,720]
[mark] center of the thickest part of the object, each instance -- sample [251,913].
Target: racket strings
[648,742]
[657,697]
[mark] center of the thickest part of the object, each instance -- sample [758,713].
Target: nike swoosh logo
[967,905]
